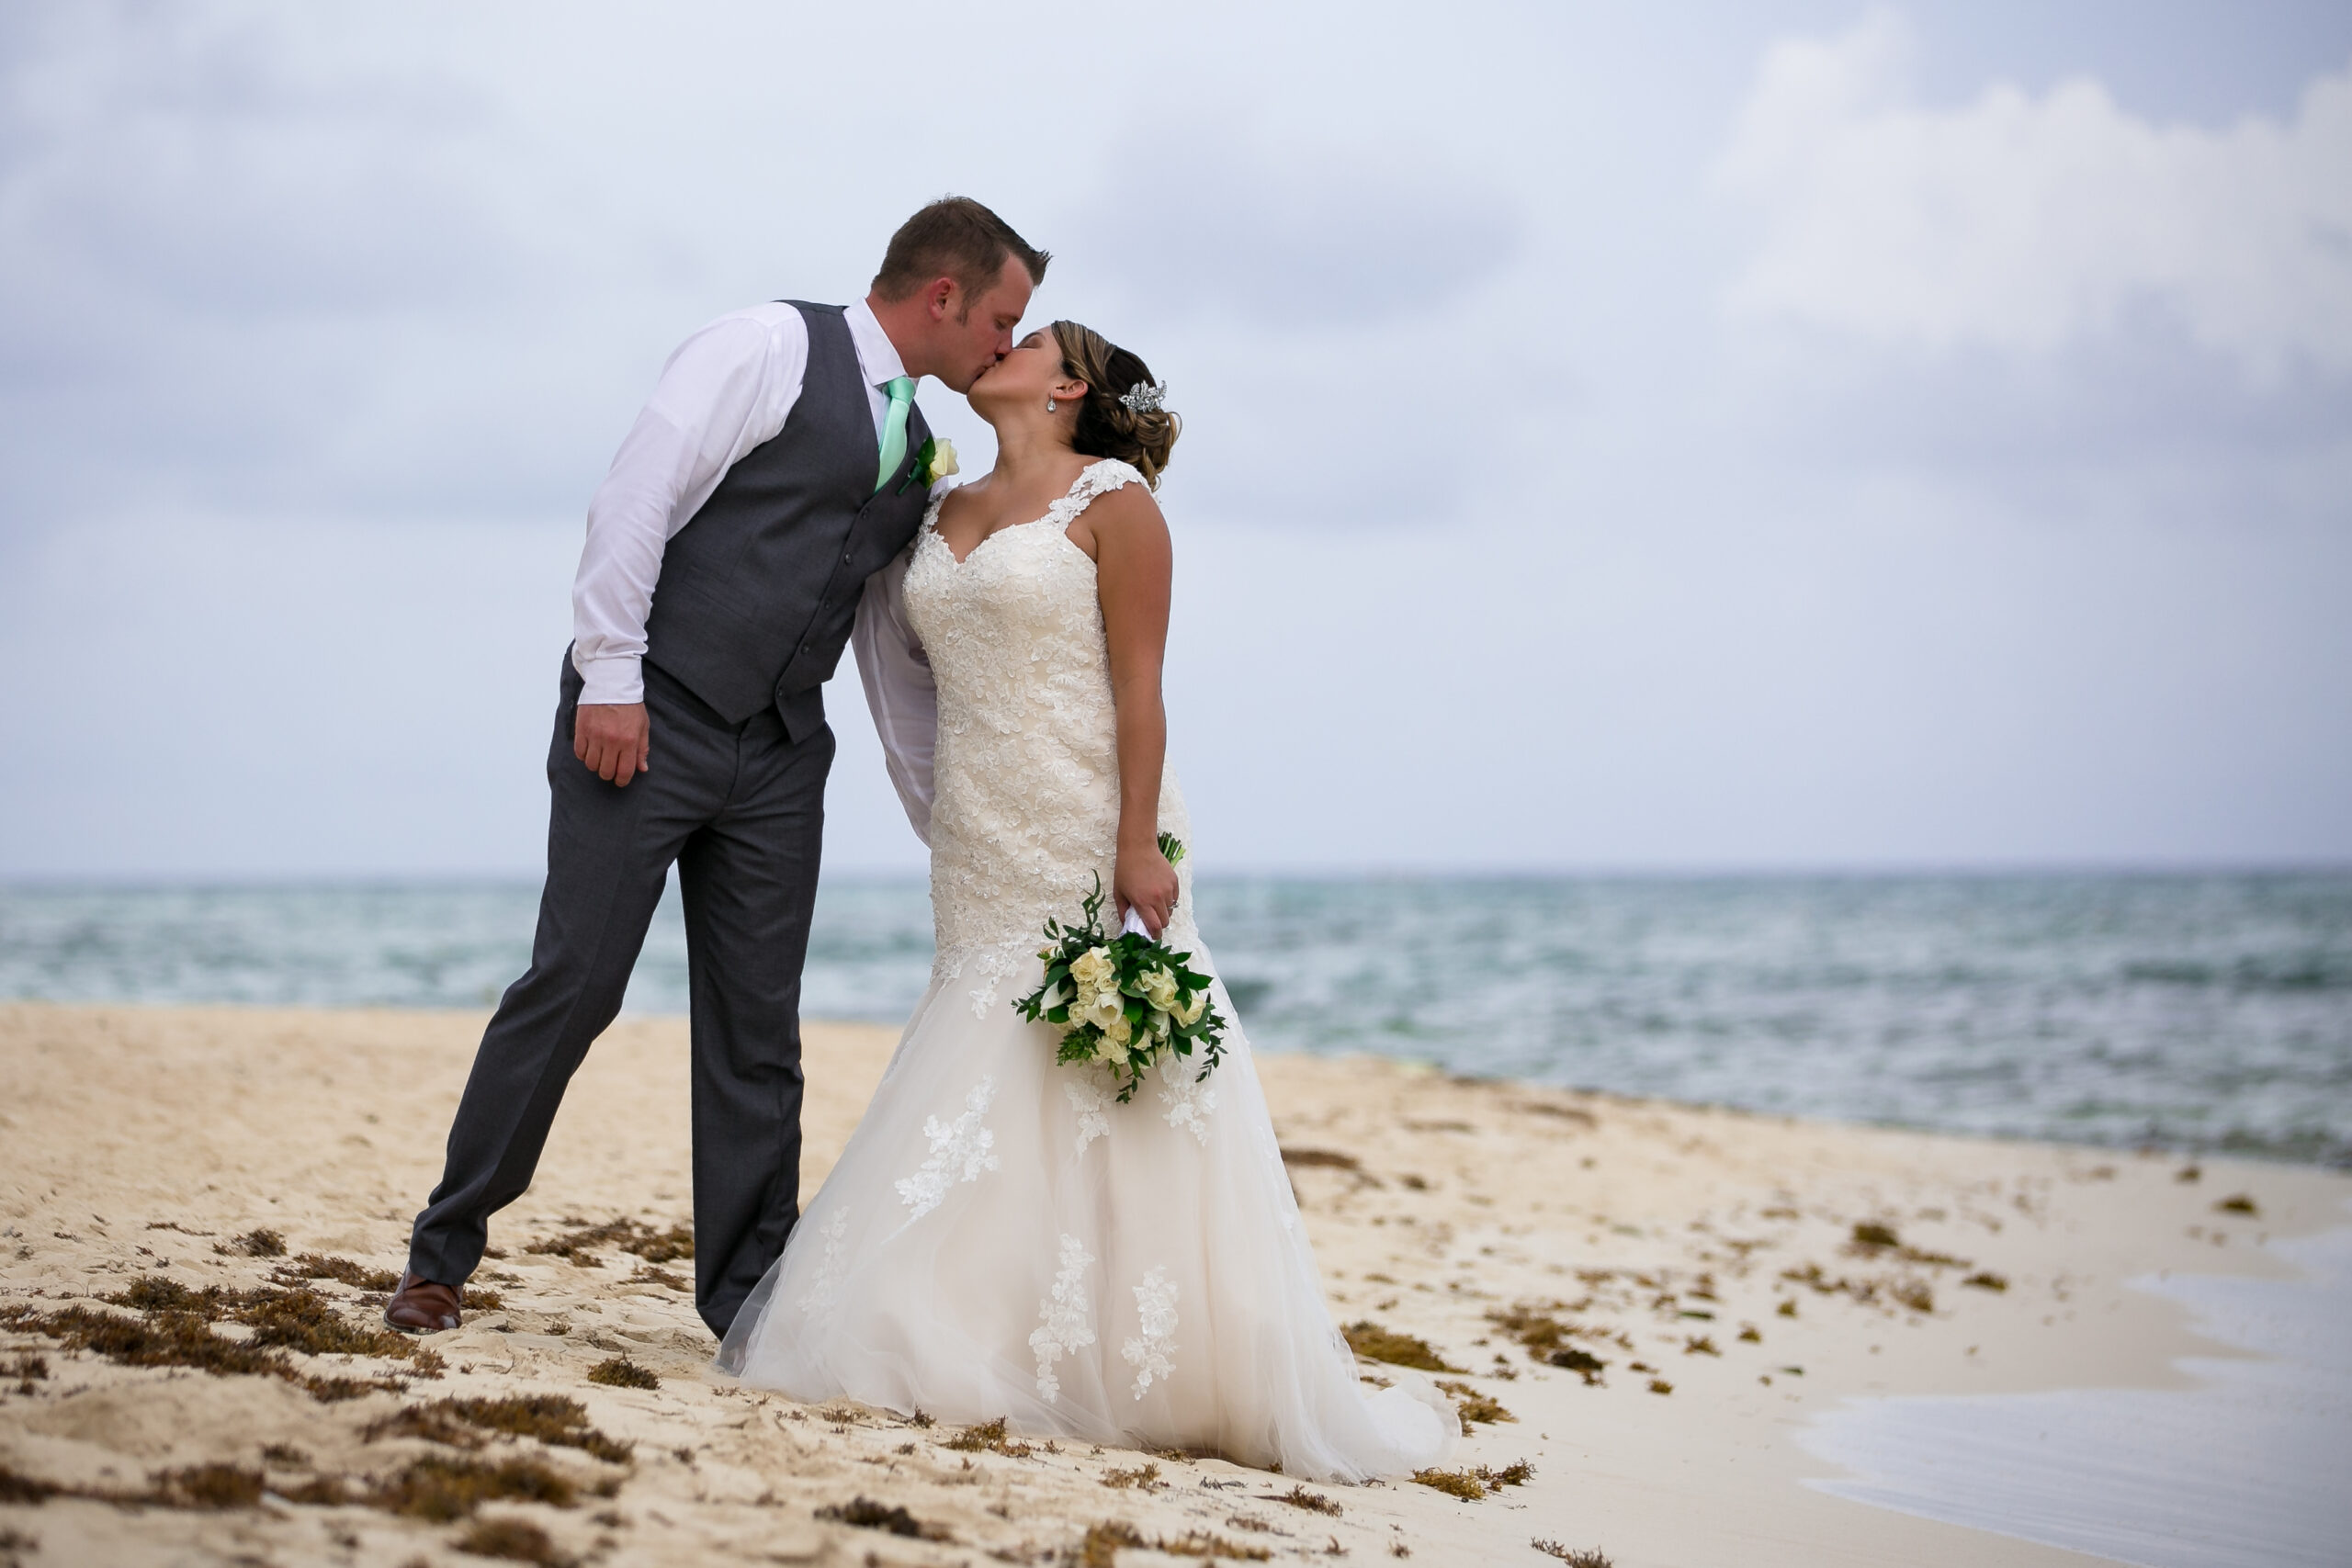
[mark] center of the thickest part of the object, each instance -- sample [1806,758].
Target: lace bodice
[1028,770]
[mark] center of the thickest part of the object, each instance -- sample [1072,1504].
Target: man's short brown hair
[955,237]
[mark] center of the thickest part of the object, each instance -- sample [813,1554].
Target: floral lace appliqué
[822,1300]
[1189,1101]
[1026,767]
[959,1151]
[1152,1353]
[1062,1327]
[1091,1102]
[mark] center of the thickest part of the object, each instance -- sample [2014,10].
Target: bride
[1002,1237]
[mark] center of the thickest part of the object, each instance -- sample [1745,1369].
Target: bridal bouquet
[1122,1001]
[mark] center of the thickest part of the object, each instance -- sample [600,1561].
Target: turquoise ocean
[2202,1012]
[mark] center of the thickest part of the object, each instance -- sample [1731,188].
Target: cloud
[1292,242]
[2028,224]
[236,256]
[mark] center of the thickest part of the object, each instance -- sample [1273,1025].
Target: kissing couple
[1005,1236]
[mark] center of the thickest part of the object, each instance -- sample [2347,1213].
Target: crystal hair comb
[1144,397]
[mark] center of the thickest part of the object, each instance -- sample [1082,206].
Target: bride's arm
[1134,565]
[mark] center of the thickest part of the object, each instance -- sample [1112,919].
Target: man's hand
[614,740]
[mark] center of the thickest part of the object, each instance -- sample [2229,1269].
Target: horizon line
[1472,871]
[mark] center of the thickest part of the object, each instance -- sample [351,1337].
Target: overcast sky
[1725,436]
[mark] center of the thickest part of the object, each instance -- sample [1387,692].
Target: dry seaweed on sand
[1477,1481]
[343,1271]
[1473,1405]
[201,1487]
[648,1275]
[26,1369]
[1545,1337]
[515,1540]
[320,1491]
[207,1487]
[1375,1343]
[1870,1237]
[989,1437]
[1201,1543]
[301,1319]
[554,1419]
[162,1339]
[2237,1204]
[619,1371]
[579,1243]
[259,1242]
[1143,1478]
[1100,1547]
[1300,1497]
[1573,1556]
[157,1293]
[865,1513]
[1452,1483]
[1987,1280]
[335,1390]
[294,1317]
[445,1488]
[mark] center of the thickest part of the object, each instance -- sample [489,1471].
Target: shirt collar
[877,356]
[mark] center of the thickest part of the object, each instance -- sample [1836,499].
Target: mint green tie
[894,426]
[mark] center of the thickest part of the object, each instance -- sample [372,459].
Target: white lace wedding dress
[1001,1236]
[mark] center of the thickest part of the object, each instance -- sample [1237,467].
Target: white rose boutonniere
[934,460]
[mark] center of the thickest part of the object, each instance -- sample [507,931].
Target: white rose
[1191,1011]
[1159,990]
[1101,1007]
[1118,1030]
[942,459]
[1092,969]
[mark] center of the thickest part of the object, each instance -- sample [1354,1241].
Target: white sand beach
[1710,1260]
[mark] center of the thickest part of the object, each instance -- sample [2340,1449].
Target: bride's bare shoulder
[1124,517]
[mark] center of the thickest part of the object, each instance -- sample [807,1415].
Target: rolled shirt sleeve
[899,690]
[728,388]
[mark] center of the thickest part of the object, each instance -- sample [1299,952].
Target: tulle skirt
[1003,1239]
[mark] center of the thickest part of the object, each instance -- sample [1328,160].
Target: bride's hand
[1146,883]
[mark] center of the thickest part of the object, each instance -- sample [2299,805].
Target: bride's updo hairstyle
[1107,427]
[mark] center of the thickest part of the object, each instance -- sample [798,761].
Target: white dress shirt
[727,389]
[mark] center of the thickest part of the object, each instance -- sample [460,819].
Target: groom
[773,472]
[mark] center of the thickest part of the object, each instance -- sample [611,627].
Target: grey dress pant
[740,810]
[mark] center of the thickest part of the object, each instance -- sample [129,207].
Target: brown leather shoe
[421,1306]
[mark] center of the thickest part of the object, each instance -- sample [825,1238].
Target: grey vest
[759,590]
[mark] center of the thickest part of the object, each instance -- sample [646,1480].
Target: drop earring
[1049,405]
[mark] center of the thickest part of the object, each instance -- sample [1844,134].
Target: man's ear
[939,300]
